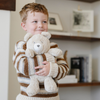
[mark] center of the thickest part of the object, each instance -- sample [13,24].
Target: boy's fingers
[38,67]
[40,72]
[45,62]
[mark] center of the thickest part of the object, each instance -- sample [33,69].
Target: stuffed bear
[36,45]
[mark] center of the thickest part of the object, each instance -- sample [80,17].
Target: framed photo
[83,20]
[54,22]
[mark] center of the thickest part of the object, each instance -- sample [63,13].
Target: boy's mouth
[40,30]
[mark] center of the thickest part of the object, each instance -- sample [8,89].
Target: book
[64,81]
[75,72]
[87,67]
[77,67]
[70,77]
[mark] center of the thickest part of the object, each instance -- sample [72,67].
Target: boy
[35,20]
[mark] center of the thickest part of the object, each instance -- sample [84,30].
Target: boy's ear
[23,26]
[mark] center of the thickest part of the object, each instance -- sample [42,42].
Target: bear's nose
[38,45]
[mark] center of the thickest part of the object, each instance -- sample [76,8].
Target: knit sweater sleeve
[20,61]
[59,69]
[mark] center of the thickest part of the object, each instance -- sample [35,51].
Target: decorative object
[54,22]
[65,56]
[83,20]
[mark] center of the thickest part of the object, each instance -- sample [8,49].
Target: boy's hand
[44,69]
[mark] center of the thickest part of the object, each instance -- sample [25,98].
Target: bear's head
[39,43]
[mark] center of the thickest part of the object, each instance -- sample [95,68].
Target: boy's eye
[44,21]
[34,21]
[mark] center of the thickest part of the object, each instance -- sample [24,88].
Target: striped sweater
[23,67]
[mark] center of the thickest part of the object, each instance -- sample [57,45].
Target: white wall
[96,8]
[16,34]
[96,50]
[95,93]
[4,53]
[75,93]
[96,45]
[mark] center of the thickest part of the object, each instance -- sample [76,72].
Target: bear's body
[36,45]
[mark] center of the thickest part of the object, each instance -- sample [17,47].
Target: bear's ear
[46,34]
[27,36]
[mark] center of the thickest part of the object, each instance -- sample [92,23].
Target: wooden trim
[89,1]
[95,83]
[75,38]
[7,5]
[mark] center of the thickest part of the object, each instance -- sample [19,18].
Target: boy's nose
[40,24]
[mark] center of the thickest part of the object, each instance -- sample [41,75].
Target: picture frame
[54,22]
[83,20]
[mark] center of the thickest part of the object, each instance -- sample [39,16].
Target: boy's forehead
[34,13]
[31,13]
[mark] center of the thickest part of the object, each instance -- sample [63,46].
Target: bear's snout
[38,47]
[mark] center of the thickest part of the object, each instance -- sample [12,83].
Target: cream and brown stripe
[35,62]
[21,75]
[18,55]
[54,46]
[24,46]
[18,42]
[21,45]
[44,57]
[41,95]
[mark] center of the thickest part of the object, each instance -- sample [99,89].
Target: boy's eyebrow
[36,19]
[45,19]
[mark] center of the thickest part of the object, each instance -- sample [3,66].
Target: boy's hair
[33,7]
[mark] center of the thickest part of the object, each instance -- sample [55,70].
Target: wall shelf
[75,38]
[94,83]
[60,35]
[89,1]
[7,5]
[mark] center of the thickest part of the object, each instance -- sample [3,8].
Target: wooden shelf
[89,1]
[7,5]
[79,84]
[75,38]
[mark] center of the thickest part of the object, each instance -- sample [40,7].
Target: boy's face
[36,23]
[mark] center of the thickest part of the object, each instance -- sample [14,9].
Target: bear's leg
[50,85]
[33,87]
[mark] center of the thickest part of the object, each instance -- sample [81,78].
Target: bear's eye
[33,42]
